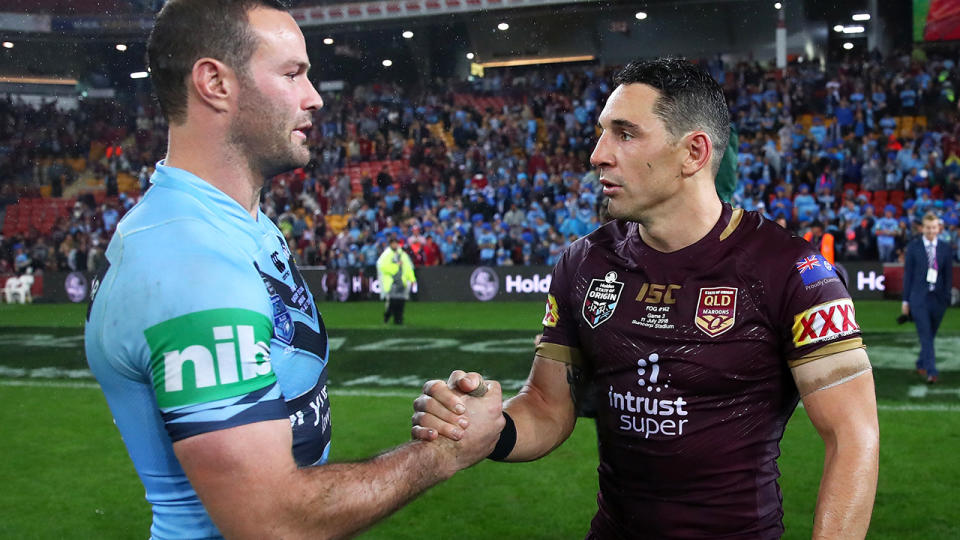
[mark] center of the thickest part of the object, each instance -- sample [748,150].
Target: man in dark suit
[927,278]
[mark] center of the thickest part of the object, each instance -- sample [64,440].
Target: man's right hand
[469,425]
[905,308]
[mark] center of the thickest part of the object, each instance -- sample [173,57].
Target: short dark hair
[690,99]
[187,30]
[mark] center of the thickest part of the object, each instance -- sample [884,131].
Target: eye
[624,136]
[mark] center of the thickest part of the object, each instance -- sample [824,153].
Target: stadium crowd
[495,171]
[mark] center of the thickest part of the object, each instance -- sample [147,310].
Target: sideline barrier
[438,283]
[866,281]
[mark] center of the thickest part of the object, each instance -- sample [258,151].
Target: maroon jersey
[687,356]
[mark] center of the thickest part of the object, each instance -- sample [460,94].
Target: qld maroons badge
[601,299]
[716,310]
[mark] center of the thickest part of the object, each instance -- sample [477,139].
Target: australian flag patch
[815,268]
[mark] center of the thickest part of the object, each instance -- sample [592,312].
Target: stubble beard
[262,135]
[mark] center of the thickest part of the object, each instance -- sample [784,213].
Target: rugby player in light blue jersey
[207,342]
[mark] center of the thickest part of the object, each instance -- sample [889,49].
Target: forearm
[847,488]
[247,480]
[537,434]
[543,413]
[338,500]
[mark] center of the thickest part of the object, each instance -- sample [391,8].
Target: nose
[601,156]
[312,102]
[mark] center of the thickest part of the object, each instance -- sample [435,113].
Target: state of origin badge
[601,299]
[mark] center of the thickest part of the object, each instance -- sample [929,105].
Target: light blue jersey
[201,322]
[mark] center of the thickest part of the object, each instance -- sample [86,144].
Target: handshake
[463,414]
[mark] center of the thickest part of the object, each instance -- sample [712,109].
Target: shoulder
[179,264]
[160,204]
[766,240]
[607,236]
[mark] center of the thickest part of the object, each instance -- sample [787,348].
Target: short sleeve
[191,319]
[818,317]
[560,340]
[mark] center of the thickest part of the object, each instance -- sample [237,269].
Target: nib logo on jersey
[209,355]
[650,412]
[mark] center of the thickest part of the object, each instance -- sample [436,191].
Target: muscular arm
[543,411]
[839,398]
[250,485]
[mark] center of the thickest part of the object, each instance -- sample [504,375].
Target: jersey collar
[211,197]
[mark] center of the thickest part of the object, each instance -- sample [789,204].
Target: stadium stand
[496,171]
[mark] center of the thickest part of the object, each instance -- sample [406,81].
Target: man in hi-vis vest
[395,271]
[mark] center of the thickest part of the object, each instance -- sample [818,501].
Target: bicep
[838,391]
[247,467]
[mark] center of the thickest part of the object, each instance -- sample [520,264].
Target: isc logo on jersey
[210,355]
[824,322]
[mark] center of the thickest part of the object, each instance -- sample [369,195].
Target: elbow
[860,443]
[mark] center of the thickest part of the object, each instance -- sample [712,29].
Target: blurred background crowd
[496,171]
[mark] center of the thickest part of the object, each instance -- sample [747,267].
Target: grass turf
[62,451]
[73,460]
[872,315]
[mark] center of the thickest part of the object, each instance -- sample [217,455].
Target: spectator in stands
[824,242]
[21,260]
[871,174]
[806,206]
[524,166]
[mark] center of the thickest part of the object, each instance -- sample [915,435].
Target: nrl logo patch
[601,299]
[716,310]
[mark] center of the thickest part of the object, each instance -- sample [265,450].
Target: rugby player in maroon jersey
[690,330]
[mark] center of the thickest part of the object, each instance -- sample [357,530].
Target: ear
[214,83]
[699,149]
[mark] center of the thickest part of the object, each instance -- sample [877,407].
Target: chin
[273,168]
[617,213]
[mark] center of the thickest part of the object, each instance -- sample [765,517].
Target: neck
[217,162]
[681,221]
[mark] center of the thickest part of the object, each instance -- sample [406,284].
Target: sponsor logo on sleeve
[552,316]
[716,310]
[825,322]
[815,268]
[601,299]
[209,355]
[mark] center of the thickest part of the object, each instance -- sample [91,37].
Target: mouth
[303,130]
[609,188]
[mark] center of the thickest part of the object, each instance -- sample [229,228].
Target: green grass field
[63,456]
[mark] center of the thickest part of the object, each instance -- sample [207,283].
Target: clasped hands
[448,414]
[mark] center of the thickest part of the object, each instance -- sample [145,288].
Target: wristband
[507,440]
